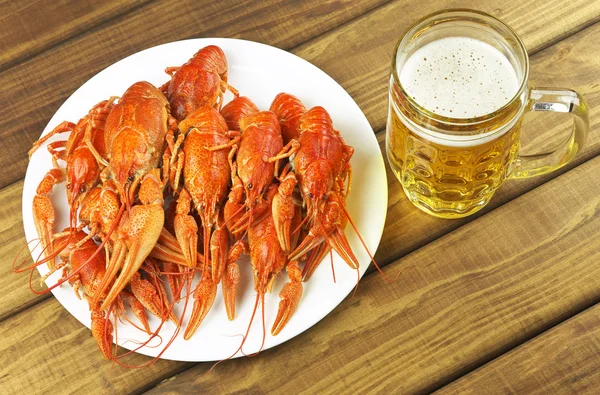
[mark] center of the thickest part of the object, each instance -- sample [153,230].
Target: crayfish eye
[324,198]
[250,186]
[310,195]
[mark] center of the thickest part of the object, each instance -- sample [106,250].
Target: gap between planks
[534,335]
[537,49]
[94,26]
[563,366]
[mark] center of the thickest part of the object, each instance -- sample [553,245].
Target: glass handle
[555,100]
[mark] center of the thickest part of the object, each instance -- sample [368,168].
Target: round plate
[260,72]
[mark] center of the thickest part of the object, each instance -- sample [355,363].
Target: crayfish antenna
[386,277]
[245,335]
[39,262]
[262,302]
[155,334]
[19,268]
[332,268]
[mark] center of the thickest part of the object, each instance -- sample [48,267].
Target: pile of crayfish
[163,183]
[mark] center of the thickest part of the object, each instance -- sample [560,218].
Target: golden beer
[449,181]
[458,94]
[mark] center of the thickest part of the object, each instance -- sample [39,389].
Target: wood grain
[37,87]
[571,62]
[31,27]
[16,295]
[564,359]
[49,350]
[461,301]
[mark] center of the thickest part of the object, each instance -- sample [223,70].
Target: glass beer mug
[458,94]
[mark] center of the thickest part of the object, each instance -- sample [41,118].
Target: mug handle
[555,100]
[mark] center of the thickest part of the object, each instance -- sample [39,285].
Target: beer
[456,77]
[457,95]
[449,181]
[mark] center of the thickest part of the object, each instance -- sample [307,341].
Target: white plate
[260,72]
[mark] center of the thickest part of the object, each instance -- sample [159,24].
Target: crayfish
[147,171]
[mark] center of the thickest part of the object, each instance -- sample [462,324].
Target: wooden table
[503,301]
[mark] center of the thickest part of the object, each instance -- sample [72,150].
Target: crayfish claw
[186,231]
[139,312]
[204,296]
[338,241]
[231,278]
[149,297]
[230,282]
[290,298]
[43,212]
[314,259]
[308,243]
[102,330]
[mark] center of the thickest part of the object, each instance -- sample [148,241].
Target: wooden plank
[36,88]
[569,63]
[16,294]
[460,301]
[31,28]
[564,359]
[50,350]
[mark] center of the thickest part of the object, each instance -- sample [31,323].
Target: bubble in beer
[478,75]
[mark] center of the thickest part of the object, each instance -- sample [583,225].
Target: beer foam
[459,77]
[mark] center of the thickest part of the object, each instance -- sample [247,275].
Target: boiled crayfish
[272,184]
